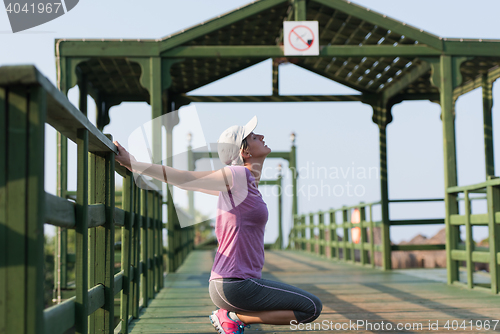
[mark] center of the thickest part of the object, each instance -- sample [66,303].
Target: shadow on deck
[349,293]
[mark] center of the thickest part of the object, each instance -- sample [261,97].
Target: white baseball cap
[229,143]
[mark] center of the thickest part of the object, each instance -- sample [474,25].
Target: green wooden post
[352,244]
[303,233]
[493,195]
[450,169]
[102,240]
[3,208]
[35,209]
[128,207]
[144,247]
[321,240]
[276,90]
[311,240]
[295,174]
[61,233]
[469,243]
[160,243]
[362,220]
[299,10]
[22,209]
[346,233]
[151,244]
[82,233]
[372,240]
[384,199]
[334,243]
[488,125]
[136,253]
[280,211]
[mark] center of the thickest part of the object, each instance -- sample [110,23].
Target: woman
[236,286]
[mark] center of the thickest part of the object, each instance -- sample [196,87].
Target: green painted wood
[450,175]
[384,196]
[93,48]
[16,294]
[299,10]
[321,225]
[35,211]
[487,90]
[493,194]
[109,235]
[469,242]
[59,211]
[126,260]
[96,300]
[417,247]
[345,238]
[136,252]
[3,208]
[144,248]
[477,219]
[416,222]
[381,20]
[472,48]
[60,317]
[150,245]
[311,225]
[218,23]
[364,253]
[476,188]
[264,52]
[82,234]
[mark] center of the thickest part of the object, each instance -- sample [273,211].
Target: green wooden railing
[303,240]
[27,102]
[302,235]
[456,253]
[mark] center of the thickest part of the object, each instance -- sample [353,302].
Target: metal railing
[27,102]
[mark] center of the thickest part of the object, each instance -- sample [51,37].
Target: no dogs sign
[301,38]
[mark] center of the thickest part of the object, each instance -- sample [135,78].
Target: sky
[339,138]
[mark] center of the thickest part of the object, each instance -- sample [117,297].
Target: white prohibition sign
[301,38]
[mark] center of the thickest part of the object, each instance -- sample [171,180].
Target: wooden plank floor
[349,293]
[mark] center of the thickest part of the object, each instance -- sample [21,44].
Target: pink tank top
[239,228]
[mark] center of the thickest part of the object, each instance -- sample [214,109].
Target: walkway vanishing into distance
[350,293]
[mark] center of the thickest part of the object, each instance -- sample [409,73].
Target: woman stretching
[236,286]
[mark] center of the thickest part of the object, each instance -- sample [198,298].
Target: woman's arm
[208,182]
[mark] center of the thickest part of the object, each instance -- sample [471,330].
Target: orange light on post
[355,231]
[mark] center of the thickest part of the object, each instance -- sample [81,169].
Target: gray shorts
[252,295]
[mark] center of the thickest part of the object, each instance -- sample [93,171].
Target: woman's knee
[314,311]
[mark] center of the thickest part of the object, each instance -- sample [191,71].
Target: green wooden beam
[264,52]
[218,23]
[486,48]
[407,79]
[186,99]
[381,20]
[107,48]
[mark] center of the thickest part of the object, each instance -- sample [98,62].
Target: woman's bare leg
[280,317]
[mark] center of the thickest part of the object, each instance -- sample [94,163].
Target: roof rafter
[382,20]
[218,23]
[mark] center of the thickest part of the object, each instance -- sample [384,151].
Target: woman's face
[257,146]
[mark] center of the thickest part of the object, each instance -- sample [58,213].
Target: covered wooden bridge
[385,60]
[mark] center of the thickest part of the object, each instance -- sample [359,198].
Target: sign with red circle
[301,38]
